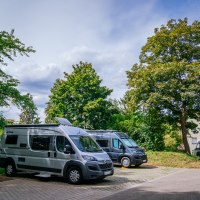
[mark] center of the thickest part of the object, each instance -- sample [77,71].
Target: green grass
[172,159]
[2,171]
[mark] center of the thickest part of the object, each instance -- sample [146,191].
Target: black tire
[125,162]
[10,169]
[74,175]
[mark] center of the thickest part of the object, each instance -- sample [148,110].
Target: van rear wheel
[10,169]
[125,162]
[74,175]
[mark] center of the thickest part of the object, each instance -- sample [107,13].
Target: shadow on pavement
[105,182]
[144,166]
[141,194]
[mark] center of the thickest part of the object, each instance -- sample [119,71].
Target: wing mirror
[68,149]
[121,146]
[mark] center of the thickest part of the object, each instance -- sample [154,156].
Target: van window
[40,142]
[129,142]
[61,141]
[102,143]
[85,143]
[11,139]
[116,143]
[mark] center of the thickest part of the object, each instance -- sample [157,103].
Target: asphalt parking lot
[28,187]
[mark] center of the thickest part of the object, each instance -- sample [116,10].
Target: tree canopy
[10,46]
[29,112]
[167,78]
[80,98]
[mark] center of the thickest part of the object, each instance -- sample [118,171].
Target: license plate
[107,172]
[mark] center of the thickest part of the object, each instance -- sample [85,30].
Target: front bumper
[138,159]
[95,170]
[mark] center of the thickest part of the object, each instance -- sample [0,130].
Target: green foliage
[167,78]
[29,112]
[10,46]
[2,171]
[81,99]
[172,138]
[8,91]
[177,41]
[2,123]
[145,129]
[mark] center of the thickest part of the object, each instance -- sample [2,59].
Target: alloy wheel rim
[9,169]
[126,162]
[74,176]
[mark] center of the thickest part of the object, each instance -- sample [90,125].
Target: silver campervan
[53,149]
[120,147]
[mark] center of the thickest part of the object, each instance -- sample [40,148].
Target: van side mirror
[121,146]
[68,149]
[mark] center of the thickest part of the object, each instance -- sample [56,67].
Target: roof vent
[63,121]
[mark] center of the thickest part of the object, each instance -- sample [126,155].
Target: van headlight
[89,158]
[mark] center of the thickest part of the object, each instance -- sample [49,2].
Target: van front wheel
[74,175]
[10,169]
[126,162]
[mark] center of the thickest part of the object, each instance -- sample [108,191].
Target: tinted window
[40,142]
[116,143]
[61,141]
[129,142]
[102,143]
[11,139]
[85,143]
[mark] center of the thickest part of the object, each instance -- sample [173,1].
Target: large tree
[147,129]
[80,98]
[167,78]
[10,46]
[29,112]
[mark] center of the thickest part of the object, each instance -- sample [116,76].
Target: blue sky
[107,33]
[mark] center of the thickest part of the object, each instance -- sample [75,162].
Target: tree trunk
[184,129]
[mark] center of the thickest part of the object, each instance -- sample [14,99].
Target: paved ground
[28,187]
[183,185]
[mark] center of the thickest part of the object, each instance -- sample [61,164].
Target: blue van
[120,147]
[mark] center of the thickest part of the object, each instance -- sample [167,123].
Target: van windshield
[85,143]
[129,142]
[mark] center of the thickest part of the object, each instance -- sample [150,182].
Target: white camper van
[53,149]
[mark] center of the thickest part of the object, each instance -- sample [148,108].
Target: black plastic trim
[39,168]
[78,164]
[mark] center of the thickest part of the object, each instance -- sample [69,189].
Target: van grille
[105,165]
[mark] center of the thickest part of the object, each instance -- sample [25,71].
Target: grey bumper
[138,159]
[95,170]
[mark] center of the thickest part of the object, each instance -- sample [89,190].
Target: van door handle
[48,154]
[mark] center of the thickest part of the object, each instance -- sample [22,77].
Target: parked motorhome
[53,149]
[121,148]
